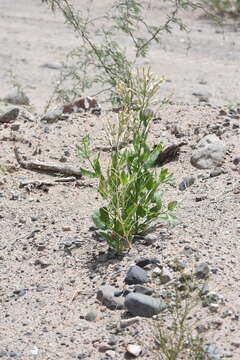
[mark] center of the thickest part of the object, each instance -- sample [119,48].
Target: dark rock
[236,160]
[40,288]
[150,239]
[43,264]
[143,305]
[202,270]
[8,113]
[52,116]
[20,292]
[136,275]
[146,261]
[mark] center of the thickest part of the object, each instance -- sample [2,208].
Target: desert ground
[51,261]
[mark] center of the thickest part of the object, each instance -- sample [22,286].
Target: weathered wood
[44,167]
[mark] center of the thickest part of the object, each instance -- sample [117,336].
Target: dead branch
[171,153]
[41,166]
[39,183]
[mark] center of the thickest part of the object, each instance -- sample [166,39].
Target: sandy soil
[47,322]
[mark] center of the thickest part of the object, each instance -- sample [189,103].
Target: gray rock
[165,276]
[146,261]
[15,126]
[3,353]
[136,275]
[91,316]
[8,113]
[150,239]
[202,270]
[143,305]
[186,182]
[17,96]
[106,296]
[212,352]
[20,292]
[52,116]
[216,172]
[143,290]
[210,152]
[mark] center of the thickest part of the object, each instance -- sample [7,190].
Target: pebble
[106,295]
[3,353]
[136,275]
[216,172]
[128,322]
[143,305]
[15,126]
[43,264]
[53,66]
[214,307]
[236,160]
[134,349]
[8,113]
[146,261]
[20,292]
[165,276]
[40,288]
[186,182]
[202,270]
[52,116]
[91,316]
[113,340]
[150,239]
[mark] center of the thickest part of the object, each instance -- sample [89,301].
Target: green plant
[101,58]
[129,186]
[223,7]
[175,330]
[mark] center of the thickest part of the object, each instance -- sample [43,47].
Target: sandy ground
[49,323]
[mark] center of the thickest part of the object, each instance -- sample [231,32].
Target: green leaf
[88,173]
[153,156]
[96,218]
[141,212]
[97,167]
[124,178]
[172,206]
[164,176]
[172,220]
[104,215]
[109,239]
[81,153]
[158,196]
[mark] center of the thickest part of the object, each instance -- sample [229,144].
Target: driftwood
[43,167]
[40,183]
[171,153]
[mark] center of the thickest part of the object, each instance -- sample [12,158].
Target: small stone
[3,353]
[202,270]
[20,292]
[111,354]
[106,295]
[8,113]
[156,272]
[214,307]
[13,354]
[212,352]
[112,340]
[52,116]
[15,126]
[165,276]
[186,182]
[128,322]
[146,261]
[136,275]
[104,347]
[150,239]
[40,288]
[143,305]
[134,349]
[91,316]
[43,264]
[236,160]
[53,66]
[216,172]
[235,124]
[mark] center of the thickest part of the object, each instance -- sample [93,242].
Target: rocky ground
[53,267]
